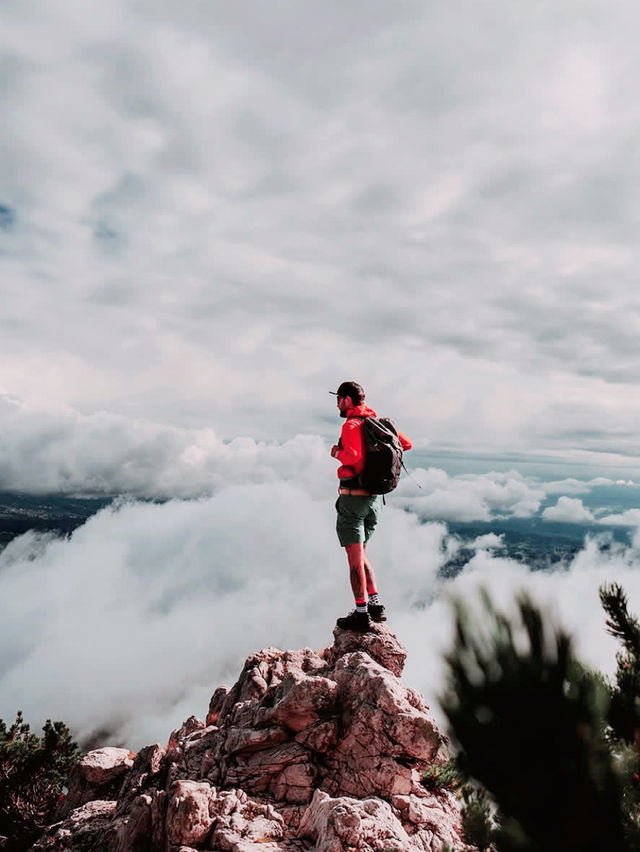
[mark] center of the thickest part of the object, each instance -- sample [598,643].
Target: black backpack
[383,455]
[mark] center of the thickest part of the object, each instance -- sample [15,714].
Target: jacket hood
[361,411]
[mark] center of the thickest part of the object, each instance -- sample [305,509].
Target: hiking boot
[359,621]
[376,613]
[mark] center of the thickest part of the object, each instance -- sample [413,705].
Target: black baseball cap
[352,389]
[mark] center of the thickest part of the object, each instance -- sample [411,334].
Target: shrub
[531,723]
[480,824]
[445,776]
[33,770]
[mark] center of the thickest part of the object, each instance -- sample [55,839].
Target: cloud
[490,542]
[63,451]
[130,624]
[568,598]
[469,497]
[628,518]
[135,619]
[44,452]
[575,486]
[569,510]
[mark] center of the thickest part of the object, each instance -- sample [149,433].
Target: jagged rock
[427,820]
[302,700]
[142,826]
[98,775]
[306,747]
[262,671]
[216,704]
[189,727]
[368,825]
[189,817]
[104,764]
[82,828]
[242,823]
[147,772]
[379,644]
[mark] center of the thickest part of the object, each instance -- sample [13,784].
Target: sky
[210,216]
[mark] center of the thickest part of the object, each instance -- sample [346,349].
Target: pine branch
[530,721]
[620,624]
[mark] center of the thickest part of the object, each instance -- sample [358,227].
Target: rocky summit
[309,750]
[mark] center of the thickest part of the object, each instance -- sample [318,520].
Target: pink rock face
[104,764]
[380,644]
[189,817]
[263,671]
[304,700]
[189,727]
[242,823]
[97,776]
[368,824]
[93,819]
[306,747]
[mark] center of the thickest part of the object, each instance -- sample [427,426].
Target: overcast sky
[211,214]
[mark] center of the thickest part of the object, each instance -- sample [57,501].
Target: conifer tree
[530,721]
[32,772]
[624,710]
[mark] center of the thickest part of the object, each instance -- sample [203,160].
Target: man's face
[344,404]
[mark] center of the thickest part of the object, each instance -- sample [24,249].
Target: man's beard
[343,414]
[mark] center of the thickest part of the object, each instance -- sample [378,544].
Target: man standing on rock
[358,510]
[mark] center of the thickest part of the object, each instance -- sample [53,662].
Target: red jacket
[351,451]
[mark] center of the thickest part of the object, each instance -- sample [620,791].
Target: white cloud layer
[569,510]
[129,625]
[63,451]
[467,497]
[628,518]
[133,621]
[102,453]
[576,486]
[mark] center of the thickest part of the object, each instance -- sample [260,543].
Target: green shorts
[357,518]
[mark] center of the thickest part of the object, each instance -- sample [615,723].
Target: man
[357,509]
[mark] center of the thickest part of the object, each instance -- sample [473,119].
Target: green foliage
[624,712]
[479,820]
[32,772]
[531,723]
[445,776]
[620,623]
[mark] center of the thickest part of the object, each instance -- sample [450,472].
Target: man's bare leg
[359,619]
[375,608]
[357,577]
[370,577]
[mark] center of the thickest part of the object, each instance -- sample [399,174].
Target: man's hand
[334,450]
